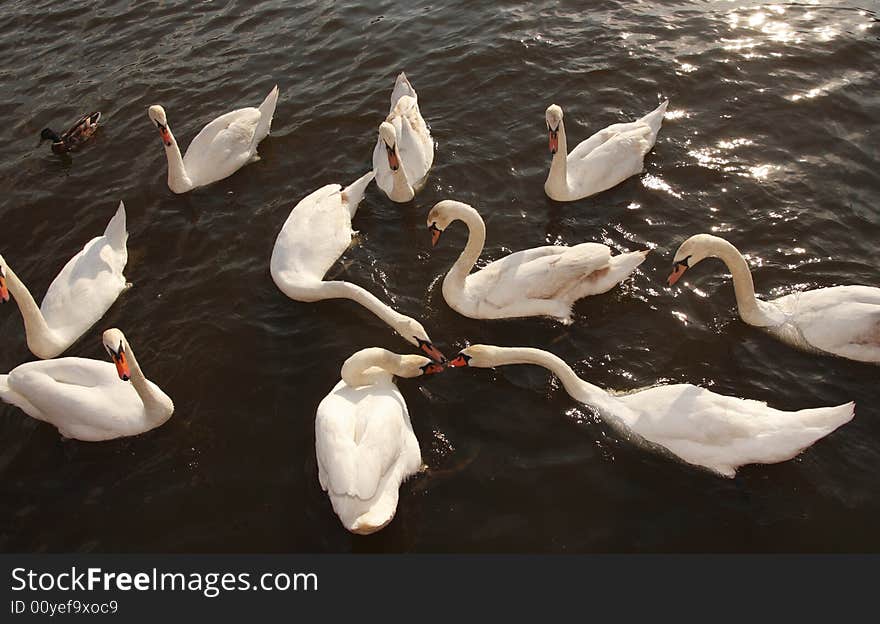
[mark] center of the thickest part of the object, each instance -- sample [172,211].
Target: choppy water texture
[771,141]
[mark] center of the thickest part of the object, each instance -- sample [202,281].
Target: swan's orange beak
[431,351]
[435,234]
[554,141]
[163,132]
[393,161]
[4,292]
[458,361]
[121,365]
[677,271]
[432,369]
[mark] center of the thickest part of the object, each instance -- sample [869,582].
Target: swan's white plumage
[221,148]
[414,145]
[80,294]
[543,281]
[85,399]
[604,160]
[365,447]
[703,428]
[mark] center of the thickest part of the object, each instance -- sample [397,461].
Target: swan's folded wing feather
[223,146]
[415,146]
[538,273]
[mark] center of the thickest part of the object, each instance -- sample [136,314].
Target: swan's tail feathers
[402,87]
[354,192]
[8,395]
[267,110]
[115,231]
[654,119]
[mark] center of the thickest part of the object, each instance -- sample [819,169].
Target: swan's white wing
[359,434]
[89,283]
[618,158]
[83,398]
[538,273]
[588,145]
[222,147]
[721,432]
[415,146]
[384,175]
[843,320]
[315,234]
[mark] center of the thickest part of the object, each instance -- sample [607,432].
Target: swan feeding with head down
[404,151]
[606,159]
[315,235]
[364,439]
[839,320]
[543,281]
[221,148]
[78,296]
[698,426]
[87,399]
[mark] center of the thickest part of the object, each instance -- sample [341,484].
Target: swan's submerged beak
[121,364]
[678,270]
[459,361]
[435,234]
[554,139]
[431,351]
[393,161]
[4,292]
[163,132]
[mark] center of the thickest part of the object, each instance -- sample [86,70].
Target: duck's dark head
[49,135]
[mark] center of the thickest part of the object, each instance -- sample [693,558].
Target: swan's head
[417,366]
[442,214]
[554,120]
[117,347]
[4,292]
[692,251]
[389,137]
[475,356]
[157,114]
[413,332]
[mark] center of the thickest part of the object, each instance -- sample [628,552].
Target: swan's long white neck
[370,366]
[178,180]
[743,286]
[41,339]
[157,405]
[558,176]
[347,290]
[471,253]
[576,387]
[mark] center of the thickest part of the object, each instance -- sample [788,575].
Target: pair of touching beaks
[458,361]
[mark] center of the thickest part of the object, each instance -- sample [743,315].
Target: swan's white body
[78,296]
[840,320]
[406,133]
[604,160]
[315,234]
[543,281]
[364,440]
[221,148]
[702,428]
[86,399]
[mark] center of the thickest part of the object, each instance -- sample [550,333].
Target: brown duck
[79,133]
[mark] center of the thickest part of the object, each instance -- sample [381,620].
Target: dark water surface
[771,141]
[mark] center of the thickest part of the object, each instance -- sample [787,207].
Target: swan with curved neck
[88,399]
[839,320]
[543,281]
[364,441]
[221,148]
[315,235]
[78,296]
[718,432]
[404,151]
[602,161]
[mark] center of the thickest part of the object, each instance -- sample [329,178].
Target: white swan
[85,399]
[700,427]
[604,160]
[841,320]
[221,148]
[315,234]
[78,296]
[404,150]
[543,281]
[364,440]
